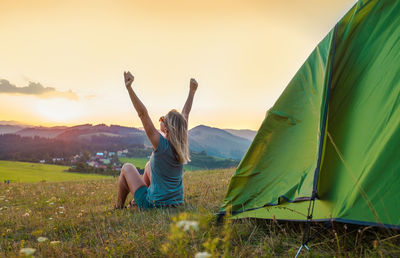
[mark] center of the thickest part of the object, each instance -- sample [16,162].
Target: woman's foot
[132,204]
[116,207]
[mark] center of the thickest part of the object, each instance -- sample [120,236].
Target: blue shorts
[143,203]
[141,198]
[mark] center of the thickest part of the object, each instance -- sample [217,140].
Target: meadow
[141,163]
[77,219]
[36,172]
[138,162]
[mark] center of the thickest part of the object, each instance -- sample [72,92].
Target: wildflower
[42,239]
[188,224]
[107,249]
[50,218]
[25,215]
[202,255]
[27,251]
[52,203]
[55,242]
[51,200]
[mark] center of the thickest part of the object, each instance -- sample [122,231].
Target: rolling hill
[229,143]
[245,133]
[217,142]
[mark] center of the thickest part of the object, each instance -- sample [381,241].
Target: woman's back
[166,186]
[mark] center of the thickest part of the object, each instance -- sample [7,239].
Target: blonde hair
[178,135]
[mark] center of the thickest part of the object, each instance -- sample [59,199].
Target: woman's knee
[127,168]
[147,168]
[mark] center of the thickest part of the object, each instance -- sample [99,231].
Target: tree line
[34,149]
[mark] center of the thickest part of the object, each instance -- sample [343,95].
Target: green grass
[141,163]
[191,168]
[35,172]
[79,215]
[137,162]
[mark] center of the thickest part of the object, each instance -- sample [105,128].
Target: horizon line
[28,125]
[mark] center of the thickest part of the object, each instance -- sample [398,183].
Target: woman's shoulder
[163,144]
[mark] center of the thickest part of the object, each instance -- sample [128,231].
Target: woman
[161,184]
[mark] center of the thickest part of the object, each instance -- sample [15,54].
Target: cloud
[36,89]
[89,97]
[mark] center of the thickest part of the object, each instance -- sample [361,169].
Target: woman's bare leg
[147,174]
[129,181]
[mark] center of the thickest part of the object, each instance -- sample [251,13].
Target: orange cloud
[36,89]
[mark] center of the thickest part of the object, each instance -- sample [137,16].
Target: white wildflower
[42,239]
[52,203]
[27,251]
[55,242]
[202,255]
[25,215]
[188,224]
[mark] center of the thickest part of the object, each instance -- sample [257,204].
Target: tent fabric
[335,129]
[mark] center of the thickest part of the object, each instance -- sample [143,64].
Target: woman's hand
[188,104]
[128,79]
[193,85]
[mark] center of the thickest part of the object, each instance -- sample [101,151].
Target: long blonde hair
[177,128]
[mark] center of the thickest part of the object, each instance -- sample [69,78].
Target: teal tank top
[166,185]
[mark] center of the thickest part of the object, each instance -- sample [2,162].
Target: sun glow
[59,110]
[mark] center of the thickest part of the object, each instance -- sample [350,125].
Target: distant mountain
[73,132]
[6,129]
[12,122]
[44,132]
[217,142]
[244,133]
[87,131]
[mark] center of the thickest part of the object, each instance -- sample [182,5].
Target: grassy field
[141,163]
[35,172]
[138,162]
[79,217]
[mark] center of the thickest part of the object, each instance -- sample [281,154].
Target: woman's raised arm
[188,104]
[151,131]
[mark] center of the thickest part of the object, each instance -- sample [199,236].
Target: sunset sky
[62,62]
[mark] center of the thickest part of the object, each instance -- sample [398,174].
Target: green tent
[333,136]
